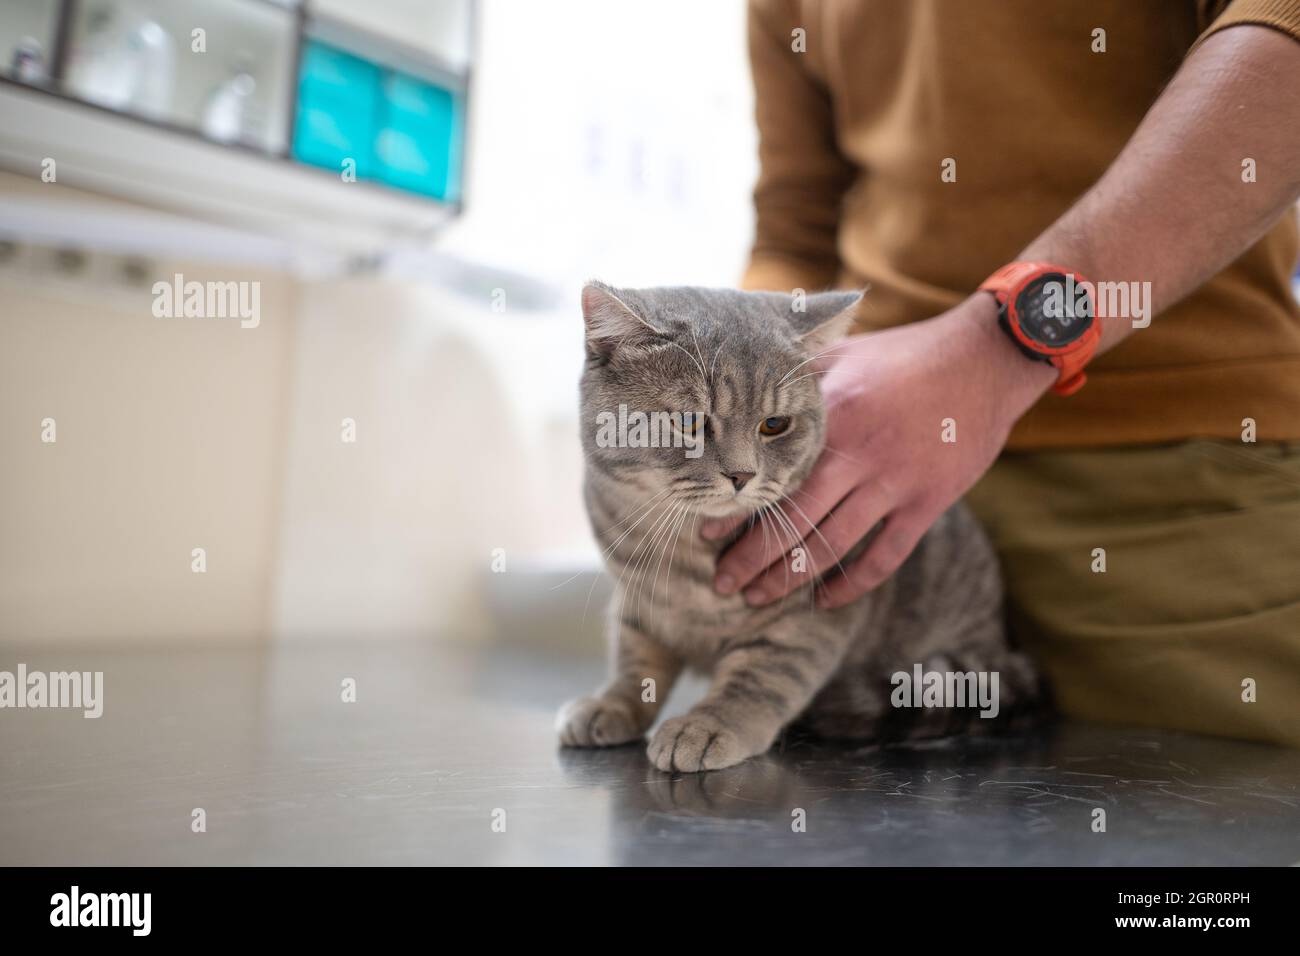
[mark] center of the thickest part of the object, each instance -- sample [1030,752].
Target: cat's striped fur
[739,358]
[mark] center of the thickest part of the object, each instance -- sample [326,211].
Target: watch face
[1053,311]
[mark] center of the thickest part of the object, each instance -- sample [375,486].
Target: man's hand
[888,398]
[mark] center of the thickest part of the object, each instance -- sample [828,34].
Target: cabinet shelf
[242,109]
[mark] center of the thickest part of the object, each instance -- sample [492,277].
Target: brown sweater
[854,130]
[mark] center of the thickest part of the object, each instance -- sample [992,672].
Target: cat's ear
[612,323]
[826,319]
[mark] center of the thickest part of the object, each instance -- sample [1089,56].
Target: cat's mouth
[725,504]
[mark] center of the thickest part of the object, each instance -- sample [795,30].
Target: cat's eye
[691,423]
[774,425]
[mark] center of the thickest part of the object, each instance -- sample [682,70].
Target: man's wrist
[1018,380]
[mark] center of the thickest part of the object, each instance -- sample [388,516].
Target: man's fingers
[716,528]
[759,547]
[822,548]
[886,552]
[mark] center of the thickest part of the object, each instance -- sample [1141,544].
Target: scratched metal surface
[439,739]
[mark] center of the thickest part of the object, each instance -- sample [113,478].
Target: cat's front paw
[697,742]
[598,722]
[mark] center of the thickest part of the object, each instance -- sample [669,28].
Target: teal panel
[401,130]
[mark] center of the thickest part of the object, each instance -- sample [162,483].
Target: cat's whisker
[651,534]
[656,545]
[815,577]
[768,521]
[708,380]
[644,510]
[714,364]
[640,512]
[791,535]
[672,553]
[817,531]
[805,375]
[694,361]
[629,575]
[835,451]
[667,543]
[812,358]
[671,549]
[690,535]
[760,514]
[632,556]
[647,555]
[790,532]
[821,371]
[815,500]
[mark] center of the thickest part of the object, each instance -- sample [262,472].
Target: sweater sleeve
[802,175]
[1281,15]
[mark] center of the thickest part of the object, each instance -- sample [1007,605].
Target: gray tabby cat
[739,360]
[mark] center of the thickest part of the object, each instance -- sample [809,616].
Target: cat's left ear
[611,322]
[827,318]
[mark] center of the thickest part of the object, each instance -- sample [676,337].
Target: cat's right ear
[612,323]
[828,317]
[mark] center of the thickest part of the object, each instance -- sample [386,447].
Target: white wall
[611,139]
[169,437]
[395,533]
[439,27]
[174,434]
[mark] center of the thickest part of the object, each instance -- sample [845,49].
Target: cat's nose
[738,479]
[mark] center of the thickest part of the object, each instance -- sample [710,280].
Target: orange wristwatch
[1049,314]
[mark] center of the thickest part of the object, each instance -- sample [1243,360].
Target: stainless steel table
[444,745]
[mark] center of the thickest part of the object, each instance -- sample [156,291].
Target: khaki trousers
[1197,610]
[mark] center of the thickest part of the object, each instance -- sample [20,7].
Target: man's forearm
[1174,208]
